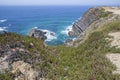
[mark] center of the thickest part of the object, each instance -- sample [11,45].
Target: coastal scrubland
[86,61]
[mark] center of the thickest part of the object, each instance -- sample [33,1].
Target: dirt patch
[115,39]
[115,10]
[115,59]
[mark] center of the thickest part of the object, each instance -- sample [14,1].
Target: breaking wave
[3,20]
[69,28]
[49,34]
[3,29]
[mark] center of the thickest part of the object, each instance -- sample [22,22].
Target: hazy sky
[59,2]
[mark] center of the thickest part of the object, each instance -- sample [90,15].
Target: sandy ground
[115,39]
[115,10]
[115,59]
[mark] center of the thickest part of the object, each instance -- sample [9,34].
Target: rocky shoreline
[44,35]
[91,20]
[89,17]
[79,28]
[37,34]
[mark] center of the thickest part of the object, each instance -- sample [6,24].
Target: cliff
[89,17]
[98,17]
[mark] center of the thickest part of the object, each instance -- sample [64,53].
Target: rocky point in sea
[37,34]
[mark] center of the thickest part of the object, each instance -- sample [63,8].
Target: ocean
[55,19]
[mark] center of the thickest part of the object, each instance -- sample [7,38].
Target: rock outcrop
[69,42]
[37,34]
[90,16]
[16,59]
[11,59]
[100,16]
[26,69]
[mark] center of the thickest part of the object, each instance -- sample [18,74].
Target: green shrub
[86,62]
[105,14]
[6,76]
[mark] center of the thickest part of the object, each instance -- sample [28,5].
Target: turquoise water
[21,19]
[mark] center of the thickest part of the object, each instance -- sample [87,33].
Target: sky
[60,2]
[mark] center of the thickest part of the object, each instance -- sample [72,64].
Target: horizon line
[67,5]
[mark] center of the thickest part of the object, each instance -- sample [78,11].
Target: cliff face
[94,18]
[90,16]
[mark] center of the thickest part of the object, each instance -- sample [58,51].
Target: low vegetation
[6,76]
[105,14]
[86,62]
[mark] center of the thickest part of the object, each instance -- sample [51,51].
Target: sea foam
[3,20]
[3,29]
[69,28]
[49,34]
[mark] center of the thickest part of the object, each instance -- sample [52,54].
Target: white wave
[69,28]
[49,34]
[3,20]
[3,29]
[35,28]
[74,39]
[79,18]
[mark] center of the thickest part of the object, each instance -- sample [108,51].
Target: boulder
[37,34]
[71,34]
[26,69]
